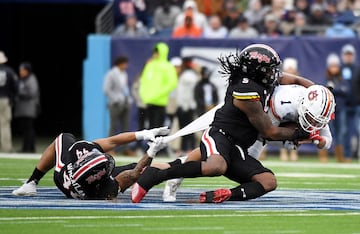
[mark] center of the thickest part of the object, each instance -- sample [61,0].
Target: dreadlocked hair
[230,66]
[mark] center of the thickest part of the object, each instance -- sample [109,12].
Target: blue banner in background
[311,53]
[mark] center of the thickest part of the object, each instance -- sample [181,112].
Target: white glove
[150,134]
[290,145]
[155,146]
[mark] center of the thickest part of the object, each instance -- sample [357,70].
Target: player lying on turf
[236,126]
[83,169]
[316,102]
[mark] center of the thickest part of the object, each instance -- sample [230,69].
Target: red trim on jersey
[272,107]
[207,140]
[58,146]
[209,143]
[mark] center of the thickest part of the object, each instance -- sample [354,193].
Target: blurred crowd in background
[235,18]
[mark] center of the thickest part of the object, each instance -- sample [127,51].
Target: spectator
[185,102]
[318,17]
[210,7]
[287,24]
[116,89]
[243,29]
[141,114]
[123,8]
[340,29]
[131,28]
[214,28]
[271,26]
[158,79]
[302,6]
[300,25]
[355,84]
[165,15]
[8,90]
[255,13]
[205,93]
[331,9]
[348,70]
[171,106]
[340,88]
[27,106]
[171,118]
[230,17]
[199,19]
[188,29]
[277,8]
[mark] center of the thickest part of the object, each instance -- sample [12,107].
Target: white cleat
[171,186]
[27,189]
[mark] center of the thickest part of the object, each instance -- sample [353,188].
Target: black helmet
[89,171]
[261,63]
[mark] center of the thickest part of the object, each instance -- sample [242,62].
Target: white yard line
[267,163]
[244,214]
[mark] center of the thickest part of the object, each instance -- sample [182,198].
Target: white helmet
[316,108]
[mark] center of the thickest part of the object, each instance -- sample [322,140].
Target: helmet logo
[259,57]
[312,95]
[95,177]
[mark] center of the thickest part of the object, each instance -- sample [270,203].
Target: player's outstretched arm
[109,143]
[126,178]
[288,78]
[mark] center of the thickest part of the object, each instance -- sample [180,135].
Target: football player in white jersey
[305,107]
[312,108]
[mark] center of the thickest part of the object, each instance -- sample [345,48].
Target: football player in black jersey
[83,169]
[252,74]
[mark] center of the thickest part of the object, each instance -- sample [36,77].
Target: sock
[153,176]
[175,162]
[36,176]
[187,170]
[247,191]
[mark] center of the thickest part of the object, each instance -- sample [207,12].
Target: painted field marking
[282,199]
[235,214]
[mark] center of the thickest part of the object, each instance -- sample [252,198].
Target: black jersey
[233,121]
[68,151]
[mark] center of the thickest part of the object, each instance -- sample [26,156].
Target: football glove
[315,137]
[151,133]
[155,146]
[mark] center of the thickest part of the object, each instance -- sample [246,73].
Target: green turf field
[307,176]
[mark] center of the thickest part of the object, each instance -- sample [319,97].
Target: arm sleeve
[326,134]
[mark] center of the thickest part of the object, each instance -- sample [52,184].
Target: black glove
[300,134]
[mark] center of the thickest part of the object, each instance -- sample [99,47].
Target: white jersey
[284,105]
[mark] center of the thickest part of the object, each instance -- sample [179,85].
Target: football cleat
[137,193]
[146,181]
[27,189]
[171,186]
[217,196]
